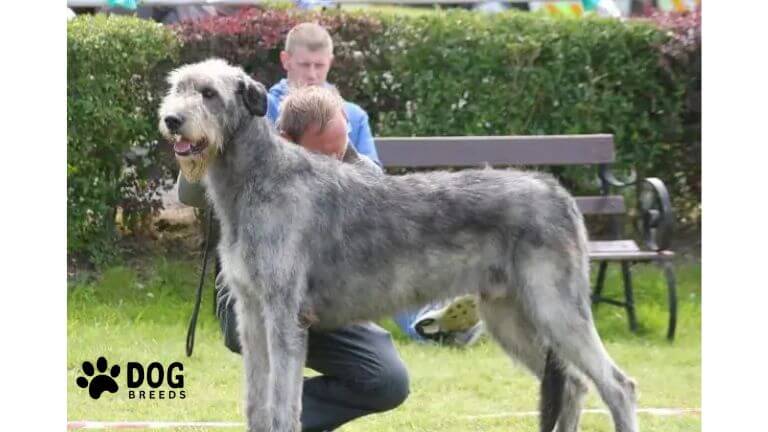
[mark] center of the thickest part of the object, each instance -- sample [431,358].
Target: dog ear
[254,96]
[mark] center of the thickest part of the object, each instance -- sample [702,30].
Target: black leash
[196,310]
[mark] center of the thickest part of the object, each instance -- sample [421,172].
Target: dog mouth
[183,147]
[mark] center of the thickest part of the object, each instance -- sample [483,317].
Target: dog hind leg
[556,301]
[573,398]
[511,329]
[552,391]
[584,350]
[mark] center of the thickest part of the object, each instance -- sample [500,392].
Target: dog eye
[208,92]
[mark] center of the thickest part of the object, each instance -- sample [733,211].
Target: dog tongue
[182,147]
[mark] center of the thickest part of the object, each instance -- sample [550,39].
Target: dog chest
[234,267]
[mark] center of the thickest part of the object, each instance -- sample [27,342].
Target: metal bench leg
[672,296]
[629,297]
[596,296]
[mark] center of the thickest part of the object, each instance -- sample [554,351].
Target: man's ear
[285,57]
[254,96]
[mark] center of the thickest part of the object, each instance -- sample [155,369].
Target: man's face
[304,67]
[332,140]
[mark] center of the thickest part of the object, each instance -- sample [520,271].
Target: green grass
[140,314]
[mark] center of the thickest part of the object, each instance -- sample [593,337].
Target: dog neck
[248,161]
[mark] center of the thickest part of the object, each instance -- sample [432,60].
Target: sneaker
[459,315]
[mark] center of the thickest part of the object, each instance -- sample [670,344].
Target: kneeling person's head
[313,117]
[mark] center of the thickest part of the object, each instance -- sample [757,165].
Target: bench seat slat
[623,250]
[613,246]
[416,152]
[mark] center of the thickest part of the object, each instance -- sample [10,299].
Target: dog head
[206,104]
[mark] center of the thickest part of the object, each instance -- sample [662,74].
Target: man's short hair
[311,36]
[305,106]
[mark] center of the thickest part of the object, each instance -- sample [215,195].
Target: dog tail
[552,389]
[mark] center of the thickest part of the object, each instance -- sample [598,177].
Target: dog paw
[100,383]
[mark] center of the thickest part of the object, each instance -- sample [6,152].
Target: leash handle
[196,311]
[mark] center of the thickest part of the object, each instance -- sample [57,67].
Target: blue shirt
[359,134]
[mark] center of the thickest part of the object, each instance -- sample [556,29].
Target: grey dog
[306,239]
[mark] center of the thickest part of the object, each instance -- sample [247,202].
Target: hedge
[454,73]
[111,100]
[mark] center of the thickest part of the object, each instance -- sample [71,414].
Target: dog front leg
[287,349]
[252,329]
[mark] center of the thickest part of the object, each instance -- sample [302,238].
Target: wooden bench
[655,219]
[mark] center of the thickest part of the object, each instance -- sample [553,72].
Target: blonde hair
[305,106]
[311,36]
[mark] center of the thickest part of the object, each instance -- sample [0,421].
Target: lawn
[140,312]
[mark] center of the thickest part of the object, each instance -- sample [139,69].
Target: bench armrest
[656,220]
[608,178]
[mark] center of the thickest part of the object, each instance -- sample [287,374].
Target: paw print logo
[100,383]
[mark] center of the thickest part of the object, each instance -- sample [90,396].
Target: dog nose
[173,122]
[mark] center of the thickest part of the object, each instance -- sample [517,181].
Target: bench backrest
[477,151]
